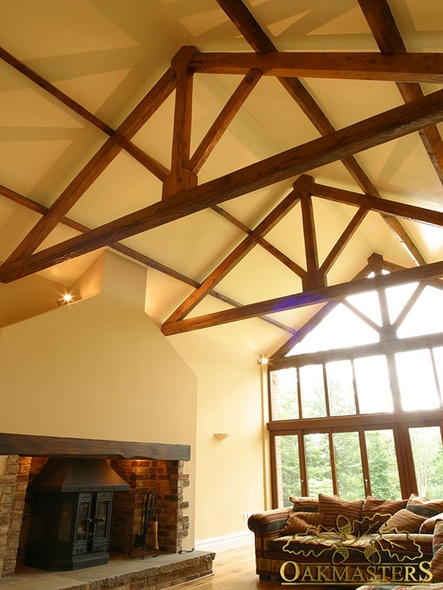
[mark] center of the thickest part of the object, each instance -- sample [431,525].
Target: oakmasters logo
[346,557]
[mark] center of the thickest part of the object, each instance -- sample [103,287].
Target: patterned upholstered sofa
[327,540]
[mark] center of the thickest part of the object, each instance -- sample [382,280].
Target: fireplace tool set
[148,515]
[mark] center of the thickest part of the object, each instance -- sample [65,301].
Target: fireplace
[71,514]
[143,466]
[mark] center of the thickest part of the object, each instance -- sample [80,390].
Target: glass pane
[102,519]
[423,319]
[428,460]
[340,388]
[312,391]
[284,398]
[397,297]
[382,462]
[339,329]
[368,303]
[416,379]
[83,520]
[373,388]
[318,463]
[348,465]
[287,468]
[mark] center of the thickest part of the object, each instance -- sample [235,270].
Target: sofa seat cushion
[336,549]
[327,547]
[406,547]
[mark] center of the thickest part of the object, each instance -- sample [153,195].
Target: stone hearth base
[121,572]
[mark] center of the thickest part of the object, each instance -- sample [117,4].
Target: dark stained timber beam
[358,137]
[312,297]
[383,26]
[27,445]
[410,67]
[395,208]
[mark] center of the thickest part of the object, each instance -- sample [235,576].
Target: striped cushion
[375,512]
[437,566]
[337,512]
[304,523]
[304,504]
[428,526]
[423,506]
[403,521]
[437,539]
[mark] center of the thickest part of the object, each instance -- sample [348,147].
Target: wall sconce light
[262,360]
[221,435]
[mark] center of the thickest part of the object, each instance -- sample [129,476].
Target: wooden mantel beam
[312,297]
[29,445]
[409,67]
[358,137]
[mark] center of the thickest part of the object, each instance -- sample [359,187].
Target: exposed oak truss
[183,195]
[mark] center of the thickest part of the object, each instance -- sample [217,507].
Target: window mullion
[303,469]
[364,461]
[333,462]
[408,482]
[393,380]
[437,381]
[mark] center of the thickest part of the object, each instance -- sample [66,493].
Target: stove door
[83,523]
[101,521]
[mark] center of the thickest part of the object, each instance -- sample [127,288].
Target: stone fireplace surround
[144,466]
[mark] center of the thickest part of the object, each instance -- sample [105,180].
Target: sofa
[328,540]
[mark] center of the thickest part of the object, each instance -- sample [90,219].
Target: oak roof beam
[383,27]
[304,299]
[394,208]
[245,246]
[360,136]
[405,68]
[99,162]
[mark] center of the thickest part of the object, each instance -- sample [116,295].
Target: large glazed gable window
[355,403]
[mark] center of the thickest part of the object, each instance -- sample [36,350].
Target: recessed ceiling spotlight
[65,300]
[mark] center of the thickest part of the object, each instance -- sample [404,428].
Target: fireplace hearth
[71,514]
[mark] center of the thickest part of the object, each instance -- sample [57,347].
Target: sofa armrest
[269,521]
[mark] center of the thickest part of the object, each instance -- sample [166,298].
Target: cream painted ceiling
[106,55]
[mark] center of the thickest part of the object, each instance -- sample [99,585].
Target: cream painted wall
[230,473]
[99,368]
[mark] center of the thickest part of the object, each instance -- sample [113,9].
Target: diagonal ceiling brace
[313,297]
[360,136]
[239,252]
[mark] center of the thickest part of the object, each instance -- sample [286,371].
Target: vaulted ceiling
[258,156]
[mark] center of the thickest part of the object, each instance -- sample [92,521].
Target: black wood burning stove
[71,514]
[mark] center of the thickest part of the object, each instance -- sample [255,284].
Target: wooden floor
[235,570]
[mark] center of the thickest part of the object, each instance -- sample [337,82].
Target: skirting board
[225,542]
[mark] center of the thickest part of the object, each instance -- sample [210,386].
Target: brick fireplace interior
[161,470]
